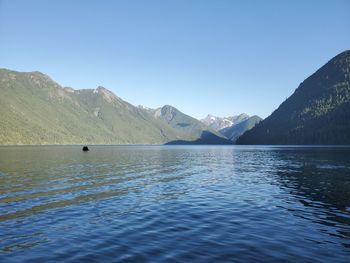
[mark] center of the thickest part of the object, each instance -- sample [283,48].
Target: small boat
[85,149]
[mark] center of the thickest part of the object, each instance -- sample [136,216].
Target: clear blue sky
[219,57]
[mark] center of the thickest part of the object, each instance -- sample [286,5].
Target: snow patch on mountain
[218,123]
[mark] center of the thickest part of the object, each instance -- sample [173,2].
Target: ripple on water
[166,203]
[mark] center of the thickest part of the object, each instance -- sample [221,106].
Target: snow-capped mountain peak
[218,123]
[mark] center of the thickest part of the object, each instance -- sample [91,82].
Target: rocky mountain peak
[218,123]
[107,94]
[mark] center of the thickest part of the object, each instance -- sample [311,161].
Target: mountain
[181,122]
[219,123]
[233,132]
[187,124]
[318,112]
[231,127]
[37,110]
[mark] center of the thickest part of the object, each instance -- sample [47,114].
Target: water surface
[174,204]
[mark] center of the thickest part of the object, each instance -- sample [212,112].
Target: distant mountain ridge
[233,126]
[37,110]
[218,123]
[318,112]
[235,131]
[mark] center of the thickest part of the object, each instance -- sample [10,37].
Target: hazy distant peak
[107,94]
[210,118]
[101,88]
[236,130]
[42,79]
[145,108]
[242,115]
[69,89]
[218,123]
[167,112]
[38,74]
[168,107]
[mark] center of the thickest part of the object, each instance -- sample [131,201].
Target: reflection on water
[174,203]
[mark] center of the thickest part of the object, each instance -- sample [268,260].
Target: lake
[174,204]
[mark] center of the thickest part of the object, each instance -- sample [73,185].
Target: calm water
[174,204]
